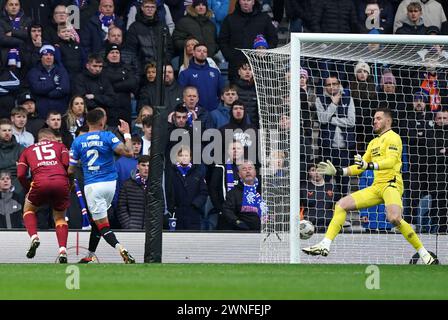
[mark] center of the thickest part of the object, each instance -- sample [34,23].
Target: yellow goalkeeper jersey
[385,152]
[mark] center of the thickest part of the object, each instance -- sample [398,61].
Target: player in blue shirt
[95,151]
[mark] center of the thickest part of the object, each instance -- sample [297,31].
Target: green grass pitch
[222,281]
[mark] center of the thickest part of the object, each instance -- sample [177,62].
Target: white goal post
[271,67]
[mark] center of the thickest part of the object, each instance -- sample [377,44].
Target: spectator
[18,120]
[433,14]
[172,89]
[436,152]
[32,47]
[434,84]
[126,168]
[10,152]
[224,177]
[70,51]
[39,11]
[54,122]
[186,191]
[75,116]
[137,126]
[240,128]
[318,197]
[148,81]
[435,52]
[10,203]
[244,205]
[147,134]
[143,35]
[124,82]
[95,87]
[205,78]
[336,115]
[34,123]
[132,200]
[179,129]
[115,36]
[195,109]
[60,17]
[197,23]
[418,122]
[247,94]
[188,54]
[365,98]
[163,12]
[94,33]
[87,9]
[49,82]
[240,28]
[330,16]
[390,97]
[15,25]
[413,24]
[221,115]
[375,14]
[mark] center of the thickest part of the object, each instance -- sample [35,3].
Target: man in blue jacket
[206,79]
[49,83]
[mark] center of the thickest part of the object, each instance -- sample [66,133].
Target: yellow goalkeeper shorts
[378,193]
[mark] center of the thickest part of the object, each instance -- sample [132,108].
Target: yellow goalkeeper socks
[410,235]
[336,223]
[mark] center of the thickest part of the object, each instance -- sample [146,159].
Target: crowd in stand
[56,66]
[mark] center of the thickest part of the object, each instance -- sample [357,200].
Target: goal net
[316,98]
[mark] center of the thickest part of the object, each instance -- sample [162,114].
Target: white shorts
[99,197]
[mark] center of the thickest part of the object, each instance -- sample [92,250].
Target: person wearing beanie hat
[260,42]
[124,81]
[362,66]
[111,47]
[197,23]
[49,83]
[47,49]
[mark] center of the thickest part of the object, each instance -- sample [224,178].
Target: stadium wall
[219,248]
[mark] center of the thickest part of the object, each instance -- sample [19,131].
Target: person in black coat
[414,21]
[142,37]
[239,30]
[10,203]
[334,16]
[14,26]
[186,191]
[33,122]
[247,93]
[132,198]
[124,82]
[241,130]
[94,86]
[244,205]
[70,51]
[173,92]
[95,31]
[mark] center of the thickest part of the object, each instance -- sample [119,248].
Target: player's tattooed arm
[125,149]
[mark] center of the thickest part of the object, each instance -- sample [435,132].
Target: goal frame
[297,39]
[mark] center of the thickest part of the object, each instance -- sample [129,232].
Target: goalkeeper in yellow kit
[383,155]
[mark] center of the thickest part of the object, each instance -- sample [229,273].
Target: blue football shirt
[95,150]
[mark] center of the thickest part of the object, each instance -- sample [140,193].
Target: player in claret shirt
[47,161]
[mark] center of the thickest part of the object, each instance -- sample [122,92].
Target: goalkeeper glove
[359,161]
[327,168]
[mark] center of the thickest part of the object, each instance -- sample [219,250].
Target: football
[306,229]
